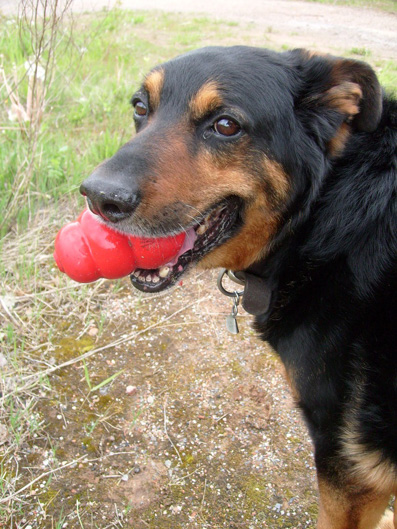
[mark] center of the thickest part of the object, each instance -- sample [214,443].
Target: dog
[282,167]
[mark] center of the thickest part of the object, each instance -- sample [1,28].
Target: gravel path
[327,27]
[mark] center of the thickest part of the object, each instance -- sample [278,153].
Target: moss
[48,495]
[236,367]
[69,347]
[90,445]
[188,459]
[255,491]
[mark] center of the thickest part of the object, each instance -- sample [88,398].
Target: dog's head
[229,141]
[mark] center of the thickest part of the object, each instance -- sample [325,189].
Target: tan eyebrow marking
[206,100]
[153,84]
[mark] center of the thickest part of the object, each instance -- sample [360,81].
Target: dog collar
[256,293]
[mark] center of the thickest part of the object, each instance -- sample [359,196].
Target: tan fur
[290,378]
[206,100]
[345,97]
[249,244]
[338,142]
[277,178]
[261,222]
[356,508]
[154,84]
[184,187]
[309,54]
[368,466]
[203,184]
[386,521]
[312,53]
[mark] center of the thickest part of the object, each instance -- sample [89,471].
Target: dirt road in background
[331,28]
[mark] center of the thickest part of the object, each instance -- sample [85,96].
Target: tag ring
[233,277]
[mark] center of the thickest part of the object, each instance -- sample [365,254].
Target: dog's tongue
[187,245]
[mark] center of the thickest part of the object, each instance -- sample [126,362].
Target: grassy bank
[85,113]
[384,5]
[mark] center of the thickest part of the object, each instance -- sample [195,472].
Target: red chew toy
[88,249]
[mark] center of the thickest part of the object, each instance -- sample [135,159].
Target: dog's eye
[140,108]
[226,127]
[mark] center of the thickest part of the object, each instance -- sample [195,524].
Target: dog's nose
[112,202]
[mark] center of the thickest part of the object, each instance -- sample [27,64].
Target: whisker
[200,215]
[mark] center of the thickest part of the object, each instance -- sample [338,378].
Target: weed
[27,89]
[384,5]
[135,416]
[78,514]
[61,521]
[101,384]
[363,52]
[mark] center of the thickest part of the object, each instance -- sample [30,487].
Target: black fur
[334,315]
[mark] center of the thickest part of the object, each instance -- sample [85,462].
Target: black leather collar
[257,295]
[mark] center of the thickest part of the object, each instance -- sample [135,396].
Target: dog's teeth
[163,272]
[136,273]
[148,278]
[155,279]
[201,229]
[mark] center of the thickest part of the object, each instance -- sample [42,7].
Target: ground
[327,27]
[143,411]
[197,428]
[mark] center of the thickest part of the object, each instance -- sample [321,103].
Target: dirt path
[306,24]
[333,28]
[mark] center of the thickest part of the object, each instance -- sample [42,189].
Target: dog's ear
[350,87]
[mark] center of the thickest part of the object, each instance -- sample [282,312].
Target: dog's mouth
[216,227]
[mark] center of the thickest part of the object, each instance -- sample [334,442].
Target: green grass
[362,52]
[87,115]
[387,73]
[384,5]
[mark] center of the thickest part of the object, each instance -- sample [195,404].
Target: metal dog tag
[231,321]
[231,324]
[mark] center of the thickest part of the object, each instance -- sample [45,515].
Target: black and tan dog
[284,166]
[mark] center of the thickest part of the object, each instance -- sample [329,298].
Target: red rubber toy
[88,249]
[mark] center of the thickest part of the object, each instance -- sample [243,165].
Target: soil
[198,430]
